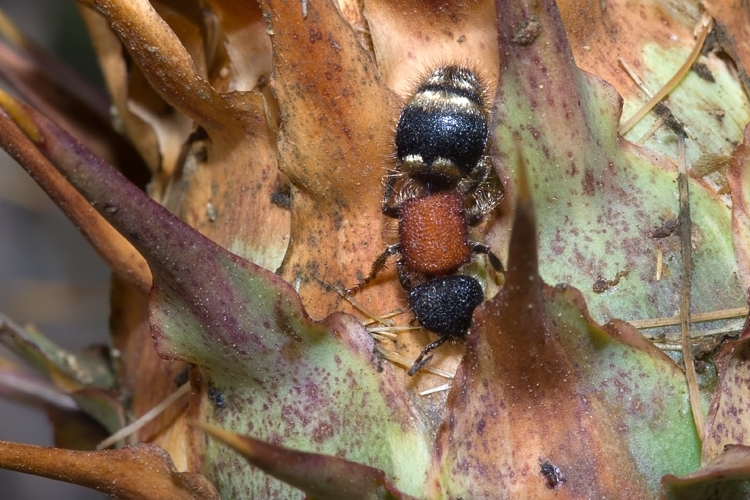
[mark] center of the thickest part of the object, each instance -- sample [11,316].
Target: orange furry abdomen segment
[434,234]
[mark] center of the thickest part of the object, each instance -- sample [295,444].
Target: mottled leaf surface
[334,145]
[729,414]
[599,196]
[431,35]
[547,402]
[543,389]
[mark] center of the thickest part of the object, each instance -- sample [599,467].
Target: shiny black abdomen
[455,134]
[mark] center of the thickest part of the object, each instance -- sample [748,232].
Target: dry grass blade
[687,274]
[405,362]
[708,164]
[706,22]
[440,388]
[644,324]
[145,419]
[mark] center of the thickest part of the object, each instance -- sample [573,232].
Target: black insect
[217,397]
[552,474]
[444,305]
[443,184]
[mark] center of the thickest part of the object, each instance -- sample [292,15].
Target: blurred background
[48,274]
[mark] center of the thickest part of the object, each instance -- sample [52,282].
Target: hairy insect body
[444,305]
[441,138]
[443,184]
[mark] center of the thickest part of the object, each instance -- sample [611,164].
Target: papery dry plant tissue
[267,134]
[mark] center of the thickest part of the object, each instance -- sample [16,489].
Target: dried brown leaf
[334,146]
[432,34]
[132,473]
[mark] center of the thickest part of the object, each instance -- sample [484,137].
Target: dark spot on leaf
[200,154]
[480,426]
[527,31]
[322,432]
[665,229]
[199,134]
[702,70]
[182,377]
[552,474]
[670,121]
[589,187]
[282,197]
[602,285]
[314,36]
[217,397]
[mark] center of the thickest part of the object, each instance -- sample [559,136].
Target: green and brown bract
[232,106]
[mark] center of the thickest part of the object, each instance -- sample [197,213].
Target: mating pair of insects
[443,184]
